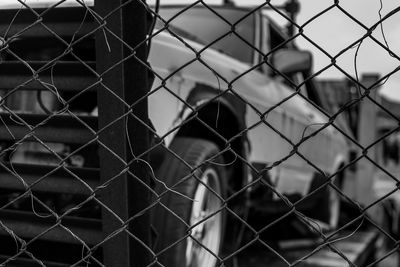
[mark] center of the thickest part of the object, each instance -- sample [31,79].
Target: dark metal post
[127,79]
[292,7]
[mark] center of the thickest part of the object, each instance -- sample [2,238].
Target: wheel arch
[219,118]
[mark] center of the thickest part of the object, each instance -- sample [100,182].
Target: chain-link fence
[139,134]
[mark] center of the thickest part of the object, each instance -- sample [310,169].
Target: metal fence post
[125,196]
[367,134]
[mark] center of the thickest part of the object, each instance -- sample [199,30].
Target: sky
[334,31]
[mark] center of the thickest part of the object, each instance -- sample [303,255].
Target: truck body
[227,81]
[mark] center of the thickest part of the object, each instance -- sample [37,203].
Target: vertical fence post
[125,196]
[292,7]
[367,134]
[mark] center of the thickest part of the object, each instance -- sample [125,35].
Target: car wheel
[190,220]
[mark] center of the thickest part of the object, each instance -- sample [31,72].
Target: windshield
[202,25]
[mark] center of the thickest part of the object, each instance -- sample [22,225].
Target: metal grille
[134,134]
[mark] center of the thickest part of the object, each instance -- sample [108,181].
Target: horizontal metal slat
[64,75]
[26,262]
[65,22]
[59,181]
[58,129]
[28,225]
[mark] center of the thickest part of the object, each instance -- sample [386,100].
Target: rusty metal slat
[26,262]
[26,30]
[64,76]
[28,225]
[47,134]
[55,120]
[58,129]
[64,21]
[59,181]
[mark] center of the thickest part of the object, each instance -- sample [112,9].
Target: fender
[202,94]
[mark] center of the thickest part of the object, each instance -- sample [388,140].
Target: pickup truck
[242,102]
[240,123]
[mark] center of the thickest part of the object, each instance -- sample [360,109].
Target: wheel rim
[209,231]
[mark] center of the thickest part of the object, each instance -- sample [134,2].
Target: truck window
[277,38]
[202,25]
[272,38]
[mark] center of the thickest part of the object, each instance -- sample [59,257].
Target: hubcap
[207,231]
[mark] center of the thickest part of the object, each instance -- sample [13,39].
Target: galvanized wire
[35,215]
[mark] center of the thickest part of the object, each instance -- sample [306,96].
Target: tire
[174,244]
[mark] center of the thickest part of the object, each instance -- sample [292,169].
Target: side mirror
[289,61]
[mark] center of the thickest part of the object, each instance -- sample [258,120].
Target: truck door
[296,174]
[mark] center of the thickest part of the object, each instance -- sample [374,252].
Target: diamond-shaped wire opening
[297,144]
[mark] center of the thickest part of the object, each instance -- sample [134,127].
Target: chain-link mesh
[139,134]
